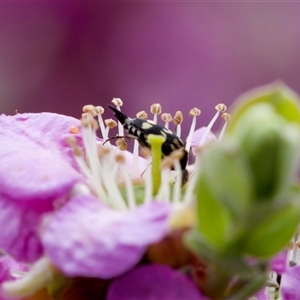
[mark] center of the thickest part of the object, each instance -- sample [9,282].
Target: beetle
[140,129]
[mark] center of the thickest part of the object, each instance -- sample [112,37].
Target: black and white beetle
[140,129]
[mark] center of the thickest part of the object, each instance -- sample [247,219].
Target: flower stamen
[226,117]
[107,171]
[110,123]
[81,163]
[118,103]
[167,118]
[177,120]
[195,112]
[109,180]
[142,115]
[164,189]
[220,108]
[148,184]
[155,109]
[121,144]
[100,111]
[74,130]
[177,155]
[120,159]
[135,165]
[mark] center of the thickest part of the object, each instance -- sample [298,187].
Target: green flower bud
[266,123]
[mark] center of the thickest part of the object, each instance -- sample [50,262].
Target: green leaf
[274,232]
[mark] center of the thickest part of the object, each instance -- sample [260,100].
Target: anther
[121,144]
[90,109]
[226,116]
[155,109]
[221,107]
[74,129]
[195,112]
[117,102]
[103,152]
[71,141]
[178,119]
[167,118]
[85,122]
[142,115]
[111,123]
[120,158]
[99,110]
[85,115]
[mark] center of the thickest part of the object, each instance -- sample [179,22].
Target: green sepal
[223,192]
[274,231]
[214,220]
[284,101]
[225,176]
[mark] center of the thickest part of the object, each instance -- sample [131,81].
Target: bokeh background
[59,56]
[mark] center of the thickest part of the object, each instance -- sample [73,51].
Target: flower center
[122,179]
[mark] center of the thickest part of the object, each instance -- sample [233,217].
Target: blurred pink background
[59,56]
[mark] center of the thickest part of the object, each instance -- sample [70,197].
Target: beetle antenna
[114,137]
[119,115]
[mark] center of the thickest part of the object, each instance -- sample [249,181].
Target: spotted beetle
[140,128]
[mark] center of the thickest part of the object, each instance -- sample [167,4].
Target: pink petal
[290,284]
[153,282]
[86,238]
